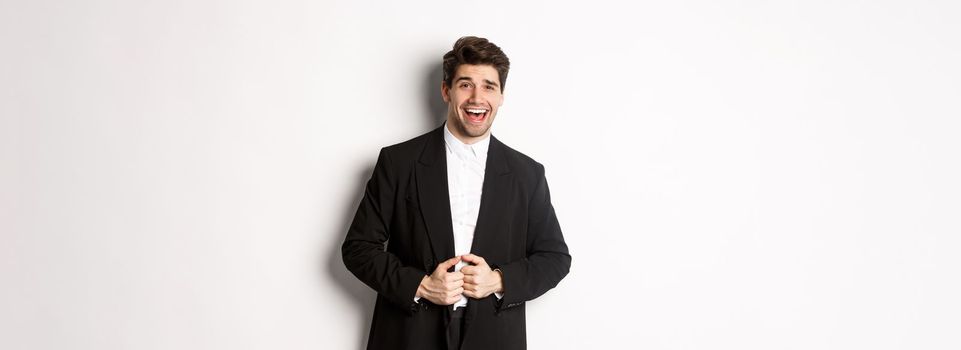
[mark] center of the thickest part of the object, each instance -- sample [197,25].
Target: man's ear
[445,91]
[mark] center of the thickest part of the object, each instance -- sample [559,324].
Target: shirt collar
[477,149]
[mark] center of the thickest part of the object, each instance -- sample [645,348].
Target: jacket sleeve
[548,259]
[364,251]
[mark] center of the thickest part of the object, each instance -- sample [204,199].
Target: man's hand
[479,280]
[442,287]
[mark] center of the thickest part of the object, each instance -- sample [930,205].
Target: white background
[736,175]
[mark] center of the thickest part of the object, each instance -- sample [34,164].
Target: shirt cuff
[496,294]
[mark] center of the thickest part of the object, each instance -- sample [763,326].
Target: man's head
[475,72]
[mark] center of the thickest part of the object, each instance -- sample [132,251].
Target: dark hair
[474,50]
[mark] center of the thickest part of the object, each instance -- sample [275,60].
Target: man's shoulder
[409,150]
[520,162]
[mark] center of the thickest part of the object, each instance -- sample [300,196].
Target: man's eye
[488,87]
[464,85]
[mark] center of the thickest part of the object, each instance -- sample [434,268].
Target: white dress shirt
[466,165]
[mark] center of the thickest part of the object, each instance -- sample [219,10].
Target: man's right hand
[442,287]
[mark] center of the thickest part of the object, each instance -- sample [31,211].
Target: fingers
[446,296]
[474,259]
[453,276]
[471,291]
[446,265]
[453,296]
[472,287]
[475,270]
[451,285]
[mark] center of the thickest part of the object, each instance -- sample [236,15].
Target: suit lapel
[433,196]
[494,201]
[490,234]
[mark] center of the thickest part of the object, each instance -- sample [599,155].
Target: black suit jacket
[403,229]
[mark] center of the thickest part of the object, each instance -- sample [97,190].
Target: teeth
[477,111]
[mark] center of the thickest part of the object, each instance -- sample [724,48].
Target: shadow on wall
[436,106]
[361,296]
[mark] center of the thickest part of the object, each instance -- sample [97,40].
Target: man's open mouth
[476,115]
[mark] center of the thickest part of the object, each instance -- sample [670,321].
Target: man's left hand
[479,280]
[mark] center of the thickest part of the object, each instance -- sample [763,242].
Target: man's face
[472,101]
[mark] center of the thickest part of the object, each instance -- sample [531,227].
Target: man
[456,230]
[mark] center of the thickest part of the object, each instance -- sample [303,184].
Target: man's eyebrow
[489,82]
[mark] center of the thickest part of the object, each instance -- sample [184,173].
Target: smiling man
[456,230]
[473,95]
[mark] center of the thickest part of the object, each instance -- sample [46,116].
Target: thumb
[474,259]
[446,265]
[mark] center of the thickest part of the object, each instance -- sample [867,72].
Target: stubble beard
[475,131]
[469,130]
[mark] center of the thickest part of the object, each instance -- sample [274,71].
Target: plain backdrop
[728,174]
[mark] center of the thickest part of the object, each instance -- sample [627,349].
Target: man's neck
[467,140]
